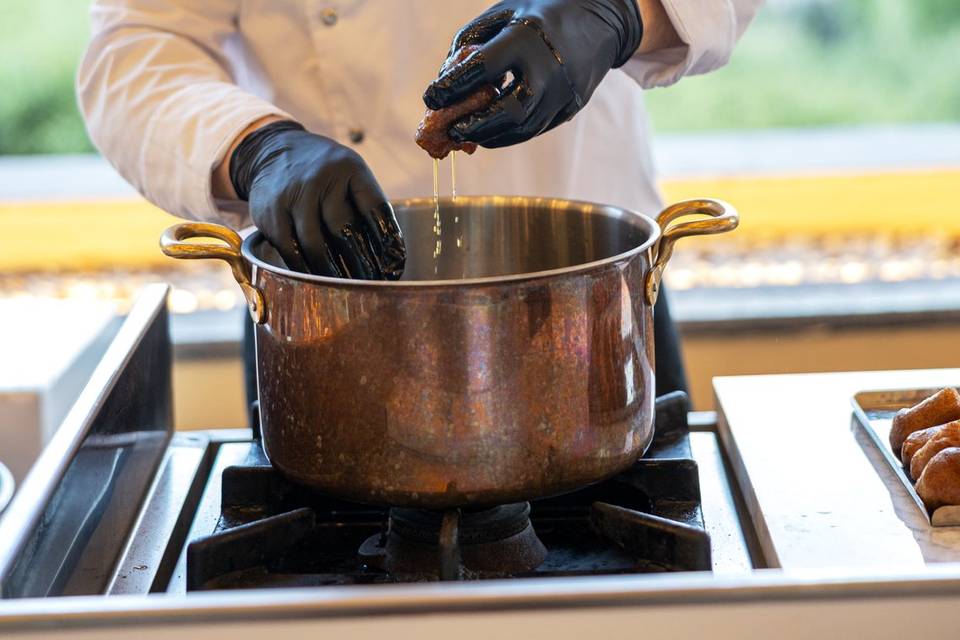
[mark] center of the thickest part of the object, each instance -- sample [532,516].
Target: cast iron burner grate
[274,534]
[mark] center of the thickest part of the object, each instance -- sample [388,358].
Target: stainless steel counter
[818,492]
[851,566]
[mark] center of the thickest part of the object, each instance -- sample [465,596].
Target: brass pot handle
[172,244]
[722,218]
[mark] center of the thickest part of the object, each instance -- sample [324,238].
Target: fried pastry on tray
[940,408]
[939,484]
[913,443]
[947,436]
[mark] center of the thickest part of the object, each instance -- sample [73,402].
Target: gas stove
[194,532]
[140,509]
[272,533]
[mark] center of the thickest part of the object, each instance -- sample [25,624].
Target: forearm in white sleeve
[158,100]
[708,29]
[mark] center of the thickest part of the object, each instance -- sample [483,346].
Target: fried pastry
[940,408]
[947,436]
[913,443]
[432,134]
[939,484]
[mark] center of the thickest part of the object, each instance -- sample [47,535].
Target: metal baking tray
[874,411]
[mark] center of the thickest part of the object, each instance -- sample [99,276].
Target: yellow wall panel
[84,234]
[93,234]
[901,202]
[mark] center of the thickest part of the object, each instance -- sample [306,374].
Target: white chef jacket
[167,85]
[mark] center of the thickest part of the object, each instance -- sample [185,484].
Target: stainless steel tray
[874,411]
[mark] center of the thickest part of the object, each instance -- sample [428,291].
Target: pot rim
[652,227]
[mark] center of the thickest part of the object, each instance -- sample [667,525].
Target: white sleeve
[159,102]
[709,29]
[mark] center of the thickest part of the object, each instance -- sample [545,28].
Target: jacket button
[356,135]
[329,16]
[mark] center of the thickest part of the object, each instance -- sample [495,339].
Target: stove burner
[456,544]
[272,533]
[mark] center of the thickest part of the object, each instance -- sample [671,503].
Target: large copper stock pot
[513,360]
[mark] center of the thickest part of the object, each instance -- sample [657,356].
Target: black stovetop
[273,533]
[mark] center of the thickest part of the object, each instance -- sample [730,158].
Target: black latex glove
[318,203]
[558,52]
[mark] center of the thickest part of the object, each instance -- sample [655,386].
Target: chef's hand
[557,51]
[318,203]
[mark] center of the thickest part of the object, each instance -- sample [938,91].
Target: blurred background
[835,130]
[803,63]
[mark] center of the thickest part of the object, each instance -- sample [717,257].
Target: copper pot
[513,360]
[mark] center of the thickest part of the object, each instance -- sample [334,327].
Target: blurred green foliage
[40,46]
[802,63]
[828,62]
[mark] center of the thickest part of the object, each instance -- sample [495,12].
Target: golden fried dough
[940,408]
[947,436]
[914,441]
[939,484]
[432,133]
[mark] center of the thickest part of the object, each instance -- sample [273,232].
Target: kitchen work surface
[124,527]
[49,349]
[818,491]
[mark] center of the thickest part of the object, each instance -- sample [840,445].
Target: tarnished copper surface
[514,360]
[457,395]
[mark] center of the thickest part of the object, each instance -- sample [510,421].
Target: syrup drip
[436,213]
[437,224]
[453,174]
